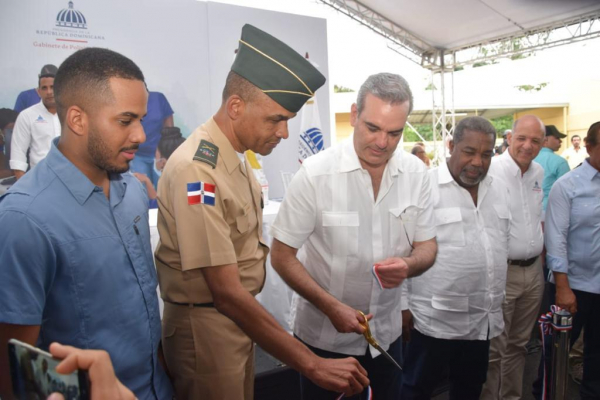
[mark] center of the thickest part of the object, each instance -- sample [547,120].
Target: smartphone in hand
[34,375]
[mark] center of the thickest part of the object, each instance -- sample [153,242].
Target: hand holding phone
[102,378]
[34,374]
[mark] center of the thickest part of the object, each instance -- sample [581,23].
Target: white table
[276,296]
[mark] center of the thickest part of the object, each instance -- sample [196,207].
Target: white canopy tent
[442,35]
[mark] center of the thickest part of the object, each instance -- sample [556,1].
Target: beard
[101,155]
[468,181]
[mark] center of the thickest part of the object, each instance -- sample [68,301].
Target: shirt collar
[42,106]
[79,185]
[444,176]
[226,150]
[587,171]
[512,165]
[350,162]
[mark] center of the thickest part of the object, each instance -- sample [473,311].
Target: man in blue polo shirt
[76,264]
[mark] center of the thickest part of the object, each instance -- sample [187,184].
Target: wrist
[327,304]
[308,366]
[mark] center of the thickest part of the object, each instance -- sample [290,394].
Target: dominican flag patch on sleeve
[201,193]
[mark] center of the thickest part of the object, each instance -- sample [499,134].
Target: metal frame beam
[576,29]
[410,46]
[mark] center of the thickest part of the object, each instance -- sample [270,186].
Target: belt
[191,305]
[523,263]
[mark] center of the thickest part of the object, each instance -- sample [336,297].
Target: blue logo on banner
[311,142]
[71,18]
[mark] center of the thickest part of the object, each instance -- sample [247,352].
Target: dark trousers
[587,318]
[429,360]
[384,376]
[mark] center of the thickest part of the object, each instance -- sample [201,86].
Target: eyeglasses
[403,218]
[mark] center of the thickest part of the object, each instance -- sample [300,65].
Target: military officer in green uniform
[211,256]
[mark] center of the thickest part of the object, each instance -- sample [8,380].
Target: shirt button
[532,243]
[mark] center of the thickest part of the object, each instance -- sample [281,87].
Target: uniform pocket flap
[502,211]
[447,215]
[409,211]
[331,218]
[169,330]
[450,303]
[242,223]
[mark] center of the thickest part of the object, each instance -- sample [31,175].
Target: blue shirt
[80,265]
[158,110]
[573,228]
[554,167]
[26,99]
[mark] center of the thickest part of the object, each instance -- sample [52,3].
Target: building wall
[584,107]
[343,129]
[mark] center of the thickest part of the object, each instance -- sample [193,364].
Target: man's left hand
[392,272]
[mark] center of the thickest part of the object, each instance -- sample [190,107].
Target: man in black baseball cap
[554,165]
[27,98]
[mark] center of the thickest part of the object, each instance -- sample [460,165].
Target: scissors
[373,342]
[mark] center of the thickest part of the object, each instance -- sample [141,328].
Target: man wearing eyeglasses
[362,213]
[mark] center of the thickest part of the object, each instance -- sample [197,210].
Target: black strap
[204,305]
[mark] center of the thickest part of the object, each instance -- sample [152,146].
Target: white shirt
[460,296]
[34,130]
[525,201]
[329,208]
[574,157]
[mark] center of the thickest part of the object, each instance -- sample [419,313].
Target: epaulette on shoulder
[207,152]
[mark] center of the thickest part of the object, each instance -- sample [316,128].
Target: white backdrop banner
[311,134]
[185,49]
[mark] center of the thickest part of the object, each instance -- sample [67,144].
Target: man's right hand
[565,298]
[104,383]
[346,319]
[344,375]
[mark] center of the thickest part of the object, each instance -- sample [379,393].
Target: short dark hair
[7,116]
[415,149]
[236,84]
[42,77]
[593,133]
[170,140]
[477,124]
[574,136]
[84,77]
[385,86]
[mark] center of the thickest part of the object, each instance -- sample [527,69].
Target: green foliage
[426,130]
[341,89]
[480,64]
[502,123]
[531,88]
[431,86]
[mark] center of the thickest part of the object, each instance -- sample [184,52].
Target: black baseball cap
[48,71]
[551,130]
